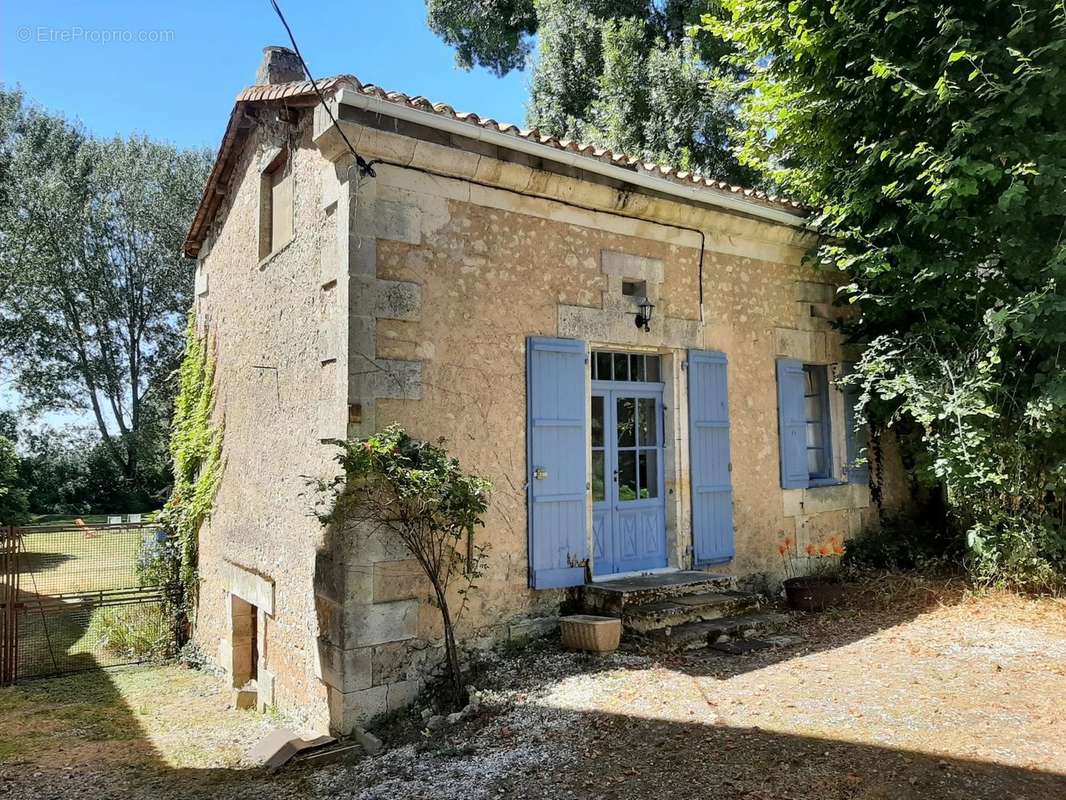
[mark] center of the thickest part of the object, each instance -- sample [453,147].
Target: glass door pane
[599,452]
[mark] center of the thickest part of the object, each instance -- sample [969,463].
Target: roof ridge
[586,149]
[304,91]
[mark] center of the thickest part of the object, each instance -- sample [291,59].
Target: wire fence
[78,597]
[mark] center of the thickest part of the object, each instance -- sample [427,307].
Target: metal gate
[78,597]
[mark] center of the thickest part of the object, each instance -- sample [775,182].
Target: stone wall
[269,320]
[408,297]
[479,270]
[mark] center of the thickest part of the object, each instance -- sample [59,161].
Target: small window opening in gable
[275,206]
[634,288]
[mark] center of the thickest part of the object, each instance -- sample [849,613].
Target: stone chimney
[279,65]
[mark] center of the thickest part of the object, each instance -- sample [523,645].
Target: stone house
[637,359]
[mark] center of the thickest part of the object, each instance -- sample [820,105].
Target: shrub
[904,543]
[929,138]
[399,486]
[141,631]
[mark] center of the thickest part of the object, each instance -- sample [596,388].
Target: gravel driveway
[964,699]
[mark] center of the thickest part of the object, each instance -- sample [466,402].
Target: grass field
[74,633]
[72,561]
[88,519]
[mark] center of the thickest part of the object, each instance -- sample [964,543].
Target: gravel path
[961,701]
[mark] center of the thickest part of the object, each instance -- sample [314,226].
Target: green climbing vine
[196,447]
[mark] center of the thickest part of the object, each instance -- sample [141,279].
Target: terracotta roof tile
[588,150]
[304,91]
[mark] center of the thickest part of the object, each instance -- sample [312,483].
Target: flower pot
[813,593]
[590,633]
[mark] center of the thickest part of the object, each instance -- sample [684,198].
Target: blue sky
[180,83]
[171,70]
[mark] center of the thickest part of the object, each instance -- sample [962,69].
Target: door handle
[540,473]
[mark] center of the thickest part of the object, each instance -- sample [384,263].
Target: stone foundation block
[390,663]
[430,624]
[402,694]
[399,580]
[532,628]
[245,699]
[811,292]
[347,670]
[343,583]
[352,625]
[348,709]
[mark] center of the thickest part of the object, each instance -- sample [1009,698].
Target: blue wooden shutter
[711,471]
[857,436]
[556,447]
[792,423]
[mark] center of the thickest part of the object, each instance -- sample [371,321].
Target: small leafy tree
[399,486]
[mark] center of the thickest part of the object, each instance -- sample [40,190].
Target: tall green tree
[932,138]
[14,502]
[93,284]
[624,75]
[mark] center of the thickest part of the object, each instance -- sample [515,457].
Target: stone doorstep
[697,635]
[741,647]
[615,596]
[246,697]
[687,608]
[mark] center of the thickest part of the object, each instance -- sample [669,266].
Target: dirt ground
[925,693]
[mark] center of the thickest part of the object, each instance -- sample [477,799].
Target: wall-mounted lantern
[644,315]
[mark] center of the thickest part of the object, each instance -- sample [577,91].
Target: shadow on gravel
[622,757]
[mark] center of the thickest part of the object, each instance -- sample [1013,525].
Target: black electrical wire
[367,168]
[571,203]
[364,167]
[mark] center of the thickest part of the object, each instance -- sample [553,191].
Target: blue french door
[628,507]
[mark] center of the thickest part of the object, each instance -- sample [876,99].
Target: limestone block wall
[273,324]
[479,269]
[408,297]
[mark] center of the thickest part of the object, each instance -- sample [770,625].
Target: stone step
[696,635]
[614,597]
[687,608]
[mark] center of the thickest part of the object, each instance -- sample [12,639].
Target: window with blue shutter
[792,423]
[556,446]
[710,467]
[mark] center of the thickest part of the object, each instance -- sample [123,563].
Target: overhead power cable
[364,167]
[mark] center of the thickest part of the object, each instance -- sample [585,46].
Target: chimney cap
[279,65]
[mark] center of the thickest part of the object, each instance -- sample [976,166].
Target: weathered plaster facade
[408,297]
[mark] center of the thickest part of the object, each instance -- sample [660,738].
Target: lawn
[88,519]
[69,561]
[927,694]
[59,631]
[152,718]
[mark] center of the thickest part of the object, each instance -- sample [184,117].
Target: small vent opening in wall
[634,288]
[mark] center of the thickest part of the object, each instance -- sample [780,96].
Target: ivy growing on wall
[196,447]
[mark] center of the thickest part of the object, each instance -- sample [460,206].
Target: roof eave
[693,194]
